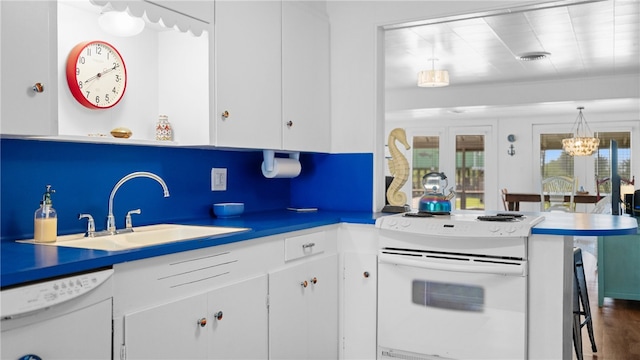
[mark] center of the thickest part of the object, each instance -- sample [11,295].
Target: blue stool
[581,296]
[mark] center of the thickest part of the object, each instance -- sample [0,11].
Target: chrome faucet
[111,221]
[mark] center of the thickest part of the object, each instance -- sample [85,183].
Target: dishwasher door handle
[467,265]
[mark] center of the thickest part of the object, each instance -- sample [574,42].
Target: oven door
[451,306]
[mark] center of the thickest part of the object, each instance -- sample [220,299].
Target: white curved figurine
[399,168]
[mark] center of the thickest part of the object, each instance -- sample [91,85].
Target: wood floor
[616,324]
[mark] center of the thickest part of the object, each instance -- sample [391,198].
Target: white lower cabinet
[275,297]
[359,306]
[303,310]
[226,323]
[168,331]
[240,321]
[358,248]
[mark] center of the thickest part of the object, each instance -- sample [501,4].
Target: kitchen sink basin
[142,236]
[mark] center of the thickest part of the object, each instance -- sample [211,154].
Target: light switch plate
[218,179]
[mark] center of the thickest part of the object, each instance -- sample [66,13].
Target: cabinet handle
[38,87]
[308,246]
[304,284]
[314,280]
[202,322]
[289,123]
[366,274]
[225,114]
[218,315]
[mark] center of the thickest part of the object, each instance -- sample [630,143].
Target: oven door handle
[469,266]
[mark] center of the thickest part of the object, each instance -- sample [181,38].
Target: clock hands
[99,75]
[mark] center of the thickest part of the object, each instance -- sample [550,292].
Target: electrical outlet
[219,179]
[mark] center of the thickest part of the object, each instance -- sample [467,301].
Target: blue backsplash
[84,174]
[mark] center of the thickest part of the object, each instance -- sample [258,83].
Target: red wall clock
[96,74]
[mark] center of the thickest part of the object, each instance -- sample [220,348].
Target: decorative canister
[163,129]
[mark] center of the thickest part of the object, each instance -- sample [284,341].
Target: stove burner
[418,214]
[515,215]
[501,217]
[436,212]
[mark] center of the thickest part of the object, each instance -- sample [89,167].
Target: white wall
[355,65]
[358,98]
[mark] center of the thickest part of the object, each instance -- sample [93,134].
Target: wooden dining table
[514,199]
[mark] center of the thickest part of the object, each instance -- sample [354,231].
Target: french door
[460,152]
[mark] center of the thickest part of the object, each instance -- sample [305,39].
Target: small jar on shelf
[163,129]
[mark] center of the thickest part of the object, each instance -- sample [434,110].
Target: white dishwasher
[63,318]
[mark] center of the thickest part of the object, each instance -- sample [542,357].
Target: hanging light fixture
[119,23]
[433,77]
[583,143]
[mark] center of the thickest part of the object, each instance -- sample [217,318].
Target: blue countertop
[585,224]
[22,263]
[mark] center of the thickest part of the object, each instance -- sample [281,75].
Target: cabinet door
[28,41]
[248,74]
[288,313]
[239,320]
[168,331]
[322,309]
[359,298]
[303,314]
[305,78]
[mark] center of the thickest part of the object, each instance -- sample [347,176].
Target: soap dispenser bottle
[45,222]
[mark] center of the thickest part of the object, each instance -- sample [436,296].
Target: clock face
[96,74]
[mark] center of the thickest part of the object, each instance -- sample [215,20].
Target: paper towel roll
[283,168]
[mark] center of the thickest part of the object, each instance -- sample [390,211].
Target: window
[426,159]
[553,160]
[470,172]
[603,159]
[462,146]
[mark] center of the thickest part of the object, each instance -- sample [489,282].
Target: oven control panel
[459,225]
[25,299]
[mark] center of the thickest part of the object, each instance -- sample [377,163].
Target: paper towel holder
[269,156]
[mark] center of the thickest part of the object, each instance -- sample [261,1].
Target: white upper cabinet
[272,76]
[28,58]
[248,74]
[305,78]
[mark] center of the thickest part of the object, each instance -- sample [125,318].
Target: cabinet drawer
[304,245]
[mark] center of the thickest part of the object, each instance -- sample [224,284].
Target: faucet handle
[127,219]
[91,224]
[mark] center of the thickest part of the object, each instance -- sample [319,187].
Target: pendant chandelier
[583,143]
[433,77]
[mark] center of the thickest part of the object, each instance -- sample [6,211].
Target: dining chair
[504,198]
[605,184]
[557,187]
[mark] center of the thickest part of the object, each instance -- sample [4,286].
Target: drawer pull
[314,280]
[366,274]
[304,284]
[218,315]
[202,322]
[225,114]
[38,88]
[308,245]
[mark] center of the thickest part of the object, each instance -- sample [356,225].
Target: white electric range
[453,286]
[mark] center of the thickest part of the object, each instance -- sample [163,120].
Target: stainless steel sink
[142,236]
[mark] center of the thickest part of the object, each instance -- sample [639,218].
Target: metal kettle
[434,200]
